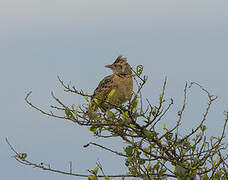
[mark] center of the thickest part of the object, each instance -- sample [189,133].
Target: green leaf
[96,101]
[76,112]
[149,134]
[68,114]
[141,161]
[161,172]
[86,96]
[139,70]
[179,112]
[93,128]
[196,160]
[93,116]
[95,170]
[205,177]
[214,162]
[127,162]
[180,171]
[133,170]
[149,167]
[107,178]
[132,126]
[147,149]
[111,93]
[160,98]
[183,151]
[164,126]
[125,113]
[129,150]
[157,166]
[226,113]
[218,160]
[110,115]
[168,136]
[21,156]
[203,128]
[153,112]
[212,138]
[92,178]
[135,104]
[204,144]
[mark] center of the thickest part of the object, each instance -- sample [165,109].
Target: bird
[115,89]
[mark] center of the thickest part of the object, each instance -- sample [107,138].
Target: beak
[109,66]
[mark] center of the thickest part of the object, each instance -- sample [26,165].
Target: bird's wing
[104,88]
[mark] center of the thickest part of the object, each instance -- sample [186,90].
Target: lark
[114,89]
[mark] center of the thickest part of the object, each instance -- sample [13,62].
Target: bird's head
[120,66]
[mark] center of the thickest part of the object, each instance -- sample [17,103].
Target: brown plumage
[116,88]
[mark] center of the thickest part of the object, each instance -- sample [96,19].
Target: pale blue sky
[183,39]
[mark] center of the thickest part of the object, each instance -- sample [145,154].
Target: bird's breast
[124,88]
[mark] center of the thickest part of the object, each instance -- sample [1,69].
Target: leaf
[110,115]
[179,112]
[139,70]
[180,171]
[95,170]
[68,114]
[133,170]
[149,134]
[204,144]
[149,167]
[203,128]
[157,166]
[183,151]
[76,112]
[21,156]
[205,177]
[93,116]
[147,149]
[132,126]
[93,128]
[86,96]
[218,160]
[127,162]
[196,160]
[212,138]
[125,113]
[153,112]
[214,162]
[161,172]
[111,93]
[129,150]
[107,178]
[96,101]
[160,98]
[91,177]
[141,161]
[226,113]
[135,104]
[164,126]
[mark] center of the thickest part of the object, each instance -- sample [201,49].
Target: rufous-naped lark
[114,89]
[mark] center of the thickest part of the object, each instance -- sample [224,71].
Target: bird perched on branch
[114,89]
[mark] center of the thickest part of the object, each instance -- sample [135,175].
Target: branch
[43,167]
[105,148]
[211,99]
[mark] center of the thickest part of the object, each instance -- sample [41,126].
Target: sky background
[75,39]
